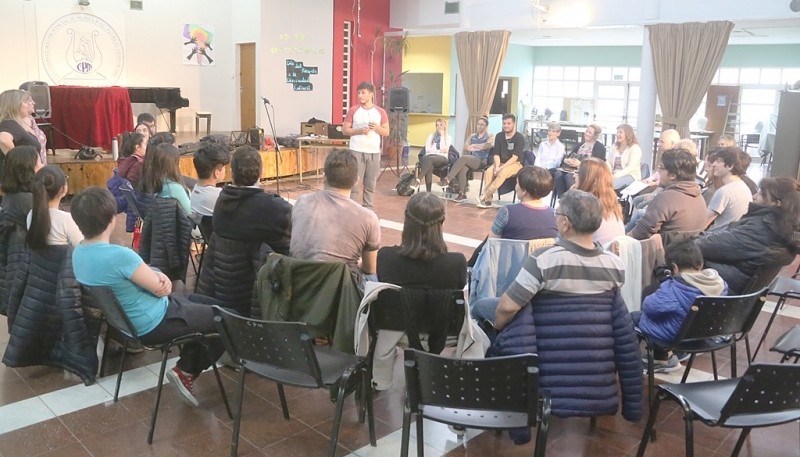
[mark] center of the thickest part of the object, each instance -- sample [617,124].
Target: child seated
[144,293]
[664,311]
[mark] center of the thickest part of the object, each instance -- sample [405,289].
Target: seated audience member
[765,235]
[505,159]
[711,182]
[143,129]
[161,175]
[594,176]
[245,212]
[131,157]
[327,226]
[422,261]
[577,319]
[149,121]
[209,162]
[144,293]
[726,140]
[531,218]
[640,202]
[730,201]
[625,159]
[745,159]
[474,157]
[437,148]
[680,207]
[664,311]
[590,147]
[551,151]
[47,224]
[21,163]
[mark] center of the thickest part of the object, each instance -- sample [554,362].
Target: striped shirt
[567,268]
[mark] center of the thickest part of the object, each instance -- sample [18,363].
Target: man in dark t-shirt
[505,159]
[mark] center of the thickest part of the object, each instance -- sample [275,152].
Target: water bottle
[114,148]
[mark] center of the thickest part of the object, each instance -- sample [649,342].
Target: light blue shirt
[104,264]
[171,189]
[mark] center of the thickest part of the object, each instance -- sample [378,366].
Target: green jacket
[324,295]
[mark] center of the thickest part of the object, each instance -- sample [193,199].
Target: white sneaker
[484,204]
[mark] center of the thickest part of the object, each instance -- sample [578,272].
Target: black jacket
[744,246]
[165,238]
[229,273]
[250,214]
[598,150]
[47,325]
[13,259]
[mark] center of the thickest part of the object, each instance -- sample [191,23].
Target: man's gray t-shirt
[330,227]
[203,199]
[731,202]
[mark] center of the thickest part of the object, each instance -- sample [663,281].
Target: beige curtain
[685,57]
[480,58]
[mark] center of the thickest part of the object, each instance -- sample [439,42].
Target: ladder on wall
[347,30]
[733,121]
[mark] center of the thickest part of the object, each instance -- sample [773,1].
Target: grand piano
[168,98]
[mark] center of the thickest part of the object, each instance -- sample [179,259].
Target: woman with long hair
[589,147]
[593,176]
[437,148]
[131,157]
[22,162]
[17,125]
[162,177]
[422,261]
[766,235]
[625,159]
[48,225]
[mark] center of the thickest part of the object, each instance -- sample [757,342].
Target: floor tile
[75,398]
[36,439]
[22,414]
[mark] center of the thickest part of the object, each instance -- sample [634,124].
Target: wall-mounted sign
[298,75]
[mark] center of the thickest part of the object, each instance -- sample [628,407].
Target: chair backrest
[570,137]
[508,383]
[105,299]
[283,346]
[766,388]
[436,312]
[763,276]
[644,169]
[127,191]
[206,227]
[722,316]
[40,93]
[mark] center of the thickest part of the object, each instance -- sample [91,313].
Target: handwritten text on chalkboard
[298,75]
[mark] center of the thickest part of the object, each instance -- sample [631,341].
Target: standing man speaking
[366,124]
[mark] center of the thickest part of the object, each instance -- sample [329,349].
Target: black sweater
[250,214]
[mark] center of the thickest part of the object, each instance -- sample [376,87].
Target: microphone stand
[277,148]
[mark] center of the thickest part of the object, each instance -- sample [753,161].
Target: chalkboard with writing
[299,76]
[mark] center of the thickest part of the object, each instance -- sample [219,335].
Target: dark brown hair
[47,184]
[422,230]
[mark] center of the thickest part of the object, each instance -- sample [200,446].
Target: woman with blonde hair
[625,159]
[437,148]
[17,125]
[593,176]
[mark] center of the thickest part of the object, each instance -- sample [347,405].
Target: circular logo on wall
[82,49]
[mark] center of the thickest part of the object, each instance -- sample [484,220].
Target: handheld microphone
[266,100]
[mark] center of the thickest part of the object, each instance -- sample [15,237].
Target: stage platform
[85,173]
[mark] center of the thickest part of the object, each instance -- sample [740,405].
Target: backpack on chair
[404,187]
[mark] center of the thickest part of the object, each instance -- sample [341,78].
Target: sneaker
[666,366]
[444,182]
[484,204]
[185,385]
[682,356]
[460,198]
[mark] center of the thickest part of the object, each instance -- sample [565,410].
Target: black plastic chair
[127,192]
[284,352]
[713,323]
[496,393]
[788,344]
[784,288]
[116,318]
[767,394]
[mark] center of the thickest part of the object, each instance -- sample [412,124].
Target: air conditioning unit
[451,7]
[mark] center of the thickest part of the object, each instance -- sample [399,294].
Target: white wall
[307,38]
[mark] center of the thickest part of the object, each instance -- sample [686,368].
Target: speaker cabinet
[398,99]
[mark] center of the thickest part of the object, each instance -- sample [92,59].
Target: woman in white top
[436,151]
[625,159]
[47,224]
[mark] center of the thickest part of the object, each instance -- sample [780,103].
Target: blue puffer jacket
[664,311]
[583,343]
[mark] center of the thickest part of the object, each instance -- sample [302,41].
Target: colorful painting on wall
[198,41]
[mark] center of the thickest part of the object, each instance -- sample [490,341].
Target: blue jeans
[484,309]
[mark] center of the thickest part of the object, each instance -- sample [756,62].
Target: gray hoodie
[680,207]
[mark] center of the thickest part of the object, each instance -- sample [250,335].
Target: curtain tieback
[672,120]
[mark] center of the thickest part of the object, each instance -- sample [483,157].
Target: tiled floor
[47,412]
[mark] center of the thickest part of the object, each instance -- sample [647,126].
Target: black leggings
[428,164]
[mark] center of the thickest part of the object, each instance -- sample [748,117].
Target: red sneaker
[185,385]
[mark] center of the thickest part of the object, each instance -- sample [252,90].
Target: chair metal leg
[121,370]
[284,407]
[237,418]
[689,427]
[222,389]
[593,422]
[541,430]
[406,434]
[747,347]
[420,437]
[370,412]
[161,372]
[106,340]
[733,359]
[651,421]
[714,364]
[337,418]
[769,325]
[740,442]
[689,367]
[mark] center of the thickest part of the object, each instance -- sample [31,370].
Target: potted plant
[394,46]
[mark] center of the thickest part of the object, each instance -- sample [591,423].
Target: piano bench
[202,115]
